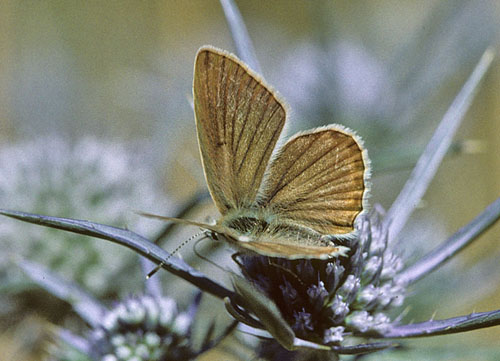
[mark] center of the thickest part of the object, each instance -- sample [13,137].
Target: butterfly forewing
[238,120]
[318,180]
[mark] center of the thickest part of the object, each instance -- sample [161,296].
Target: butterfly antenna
[162,263]
[203,257]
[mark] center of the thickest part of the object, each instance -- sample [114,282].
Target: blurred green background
[122,70]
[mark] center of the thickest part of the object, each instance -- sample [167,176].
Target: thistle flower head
[311,300]
[323,301]
[143,328]
[150,326]
[90,178]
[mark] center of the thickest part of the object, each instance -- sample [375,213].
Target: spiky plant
[148,326]
[323,301]
[310,310]
[90,177]
[320,305]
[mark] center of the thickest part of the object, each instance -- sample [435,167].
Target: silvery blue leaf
[128,239]
[462,238]
[244,47]
[435,151]
[90,309]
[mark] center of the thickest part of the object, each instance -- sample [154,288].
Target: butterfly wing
[239,120]
[319,180]
[268,248]
[293,251]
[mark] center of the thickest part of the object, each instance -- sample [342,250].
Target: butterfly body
[259,230]
[291,201]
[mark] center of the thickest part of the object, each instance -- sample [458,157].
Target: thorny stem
[244,47]
[437,148]
[462,238]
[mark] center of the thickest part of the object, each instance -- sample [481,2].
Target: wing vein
[246,118]
[223,96]
[275,191]
[255,132]
[276,130]
[233,120]
[332,191]
[314,161]
[340,174]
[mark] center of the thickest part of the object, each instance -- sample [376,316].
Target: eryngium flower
[150,326]
[325,300]
[90,178]
[143,328]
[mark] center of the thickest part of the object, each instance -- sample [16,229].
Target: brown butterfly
[291,202]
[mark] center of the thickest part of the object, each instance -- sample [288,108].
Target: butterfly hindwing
[239,120]
[293,251]
[319,180]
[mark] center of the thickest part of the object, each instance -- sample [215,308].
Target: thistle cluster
[90,179]
[143,328]
[308,307]
[150,326]
[323,301]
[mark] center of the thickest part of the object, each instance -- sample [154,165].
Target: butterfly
[291,201]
